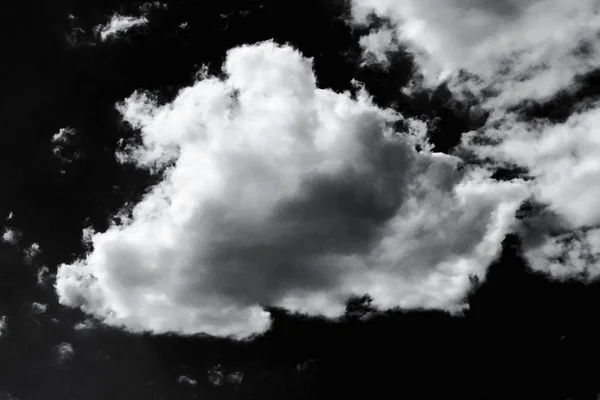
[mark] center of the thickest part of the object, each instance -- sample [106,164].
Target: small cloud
[152,5]
[77,36]
[63,136]
[118,25]
[43,275]
[85,325]
[11,236]
[184,25]
[10,216]
[378,44]
[219,376]
[216,376]
[3,325]
[65,149]
[64,352]
[39,308]
[32,251]
[235,378]
[186,380]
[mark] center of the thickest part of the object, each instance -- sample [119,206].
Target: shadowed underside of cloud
[278,193]
[533,58]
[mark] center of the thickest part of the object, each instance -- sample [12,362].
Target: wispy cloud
[64,352]
[516,54]
[118,25]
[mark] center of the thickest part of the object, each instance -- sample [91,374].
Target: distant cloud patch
[119,25]
[11,236]
[64,352]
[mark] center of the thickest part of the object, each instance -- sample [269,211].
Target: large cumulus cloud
[276,192]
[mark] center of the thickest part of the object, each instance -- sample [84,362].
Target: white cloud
[564,160]
[118,25]
[65,148]
[43,275]
[186,380]
[64,352]
[570,255]
[3,325]
[521,50]
[377,44]
[152,5]
[32,251]
[39,308]
[219,376]
[528,48]
[11,236]
[85,325]
[279,193]
[63,136]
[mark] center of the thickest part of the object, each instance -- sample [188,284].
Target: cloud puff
[39,308]
[3,325]
[276,192]
[43,275]
[118,25]
[65,147]
[573,254]
[530,48]
[186,380]
[564,158]
[64,352]
[220,376]
[31,252]
[11,236]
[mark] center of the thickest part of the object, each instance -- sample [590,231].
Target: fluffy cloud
[64,352]
[11,236]
[186,380]
[528,48]
[118,25]
[32,251]
[43,275]
[520,51]
[377,45]
[564,160]
[39,308]
[3,325]
[573,254]
[276,192]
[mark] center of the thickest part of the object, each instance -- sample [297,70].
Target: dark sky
[528,330]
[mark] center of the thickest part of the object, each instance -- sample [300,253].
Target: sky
[303,199]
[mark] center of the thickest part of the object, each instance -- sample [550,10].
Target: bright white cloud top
[279,193]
